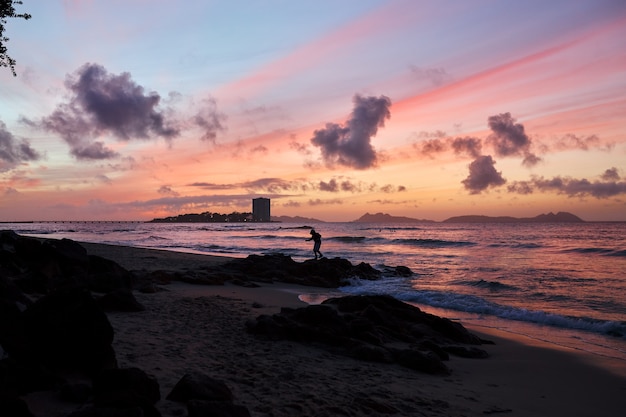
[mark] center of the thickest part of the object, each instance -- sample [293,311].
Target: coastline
[522,377]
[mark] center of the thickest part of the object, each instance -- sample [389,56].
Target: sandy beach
[187,328]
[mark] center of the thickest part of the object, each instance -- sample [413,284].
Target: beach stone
[41,266]
[75,392]
[375,328]
[198,386]
[121,299]
[104,275]
[466,352]
[125,388]
[113,412]
[201,408]
[14,407]
[67,329]
[18,378]
[324,272]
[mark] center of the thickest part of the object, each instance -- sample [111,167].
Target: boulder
[200,408]
[125,389]
[373,328]
[325,272]
[40,266]
[68,330]
[121,299]
[197,386]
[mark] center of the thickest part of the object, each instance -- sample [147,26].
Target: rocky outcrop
[40,266]
[373,328]
[325,272]
[206,396]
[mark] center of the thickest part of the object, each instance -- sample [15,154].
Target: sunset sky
[136,109]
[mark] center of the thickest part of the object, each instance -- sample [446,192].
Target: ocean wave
[490,285]
[598,251]
[478,305]
[348,239]
[151,238]
[432,243]
[516,245]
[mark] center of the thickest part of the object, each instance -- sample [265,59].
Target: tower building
[261,209]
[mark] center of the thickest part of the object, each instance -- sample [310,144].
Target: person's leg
[316,249]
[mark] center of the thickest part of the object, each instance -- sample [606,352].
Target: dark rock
[466,352]
[17,378]
[112,412]
[372,328]
[120,300]
[425,362]
[325,272]
[125,388]
[41,266]
[75,392]
[201,408]
[104,275]
[14,407]
[403,271]
[67,329]
[197,386]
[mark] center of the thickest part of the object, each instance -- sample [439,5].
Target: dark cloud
[467,145]
[93,150]
[319,202]
[279,186]
[520,187]
[482,175]
[167,190]
[510,139]
[103,103]
[571,141]
[117,104]
[273,185]
[209,120]
[300,148]
[13,151]
[331,186]
[530,159]
[611,174]
[571,186]
[212,186]
[432,146]
[350,187]
[350,145]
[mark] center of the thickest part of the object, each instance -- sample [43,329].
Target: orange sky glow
[124,111]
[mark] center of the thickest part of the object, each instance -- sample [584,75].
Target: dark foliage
[7,10]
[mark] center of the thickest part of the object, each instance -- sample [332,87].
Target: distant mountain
[560,217]
[295,219]
[387,218]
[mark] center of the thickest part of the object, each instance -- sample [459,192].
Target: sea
[559,283]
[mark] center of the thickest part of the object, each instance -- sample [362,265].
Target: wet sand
[202,328]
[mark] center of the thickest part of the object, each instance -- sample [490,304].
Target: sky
[141,109]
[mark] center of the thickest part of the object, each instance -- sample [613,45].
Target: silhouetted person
[317,242]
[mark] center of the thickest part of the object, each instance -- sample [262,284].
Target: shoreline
[150,259]
[522,376]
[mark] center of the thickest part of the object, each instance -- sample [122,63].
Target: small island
[387,218]
[560,217]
